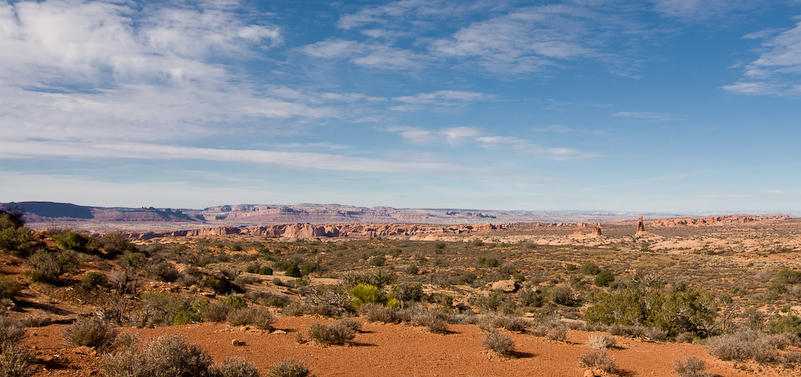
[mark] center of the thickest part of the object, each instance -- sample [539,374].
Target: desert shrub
[501,344]
[295,309]
[116,243]
[235,367]
[434,321]
[11,331]
[234,301]
[167,356]
[75,241]
[742,346]
[15,361]
[256,316]
[132,260]
[590,268]
[411,269]
[91,332]
[351,323]
[165,271]
[598,359]
[551,328]
[378,278]
[365,293]
[337,333]
[9,288]
[94,280]
[378,260]
[16,240]
[288,368]
[561,295]
[441,299]
[601,341]
[508,322]
[308,268]
[407,292]
[265,270]
[49,266]
[165,309]
[488,262]
[377,313]
[691,366]
[216,312]
[604,278]
[785,324]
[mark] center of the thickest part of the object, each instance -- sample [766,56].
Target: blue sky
[677,106]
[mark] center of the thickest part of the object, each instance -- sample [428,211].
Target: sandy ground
[394,350]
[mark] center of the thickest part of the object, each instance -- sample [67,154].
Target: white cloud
[650,116]
[298,160]
[472,136]
[694,10]
[440,100]
[777,70]
[368,54]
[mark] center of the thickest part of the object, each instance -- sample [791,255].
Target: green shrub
[94,280]
[561,295]
[115,243]
[407,292]
[49,266]
[16,240]
[604,278]
[365,293]
[501,344]
[288,368]
[337,333]
[75,241]
[590,268]
[91,332]
[378,278]
[265,270]
[308,268]
[9,288]
[165,271]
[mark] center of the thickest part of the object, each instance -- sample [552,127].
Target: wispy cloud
[472,136]
[440,100]
[699,10]
[649,116]
[777,70]
[367,54]
[140,151]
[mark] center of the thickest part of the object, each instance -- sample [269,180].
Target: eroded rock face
[306,230]
[640,225]
[596,230]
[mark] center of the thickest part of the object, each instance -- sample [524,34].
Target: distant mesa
[50,209]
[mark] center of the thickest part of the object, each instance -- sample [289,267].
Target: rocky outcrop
[307,230]
[716,220]
[506,286]
[640,225]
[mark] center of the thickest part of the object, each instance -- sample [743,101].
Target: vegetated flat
[744,266]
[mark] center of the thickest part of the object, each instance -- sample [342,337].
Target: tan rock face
[306,230]
[507,286]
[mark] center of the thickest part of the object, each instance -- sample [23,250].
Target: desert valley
[602,294]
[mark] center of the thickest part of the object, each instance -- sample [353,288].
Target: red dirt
[393,350]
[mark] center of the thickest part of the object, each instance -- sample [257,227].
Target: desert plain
[689,296]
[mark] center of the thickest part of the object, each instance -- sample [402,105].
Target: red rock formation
[596,230]
[640,225]
[579,229]
[306,230]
